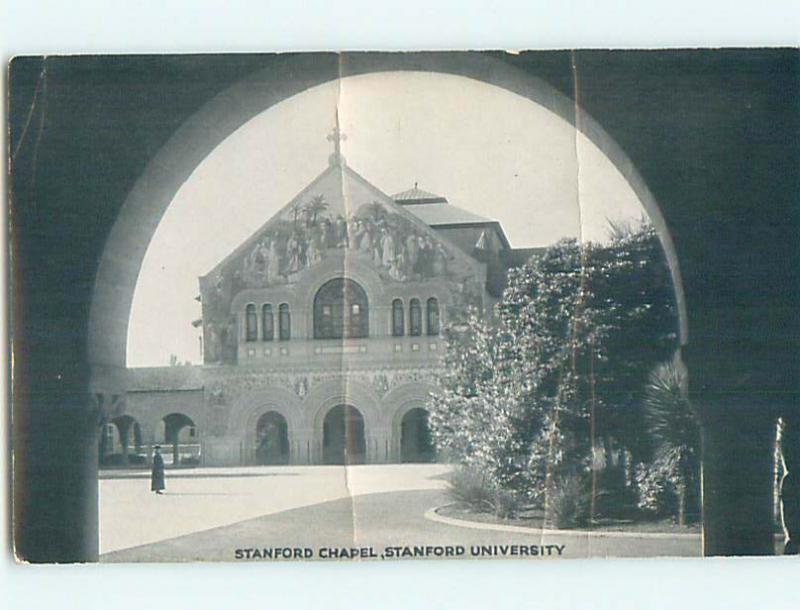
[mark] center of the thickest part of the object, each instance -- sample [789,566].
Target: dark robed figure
[157,475]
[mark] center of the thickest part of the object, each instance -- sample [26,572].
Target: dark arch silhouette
[251,323]
[398,319]
[343,439]
[267,323]
[272,439]
[432,316]
[284,322]
[173,424]
[416,444]
[130,441]
[414,318]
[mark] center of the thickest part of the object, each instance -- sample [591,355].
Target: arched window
[284,322]
[433,316]
[341,310]
[414,318]
[398,319]
[267,323]
[251,323]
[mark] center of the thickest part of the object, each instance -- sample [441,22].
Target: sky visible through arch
[485,149]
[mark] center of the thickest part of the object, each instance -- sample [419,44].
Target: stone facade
[322,333]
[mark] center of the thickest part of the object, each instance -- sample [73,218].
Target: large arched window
[284,322]
[433,316]
[414,318]
[398,319]
[341,310]
[267,323]
[251,323]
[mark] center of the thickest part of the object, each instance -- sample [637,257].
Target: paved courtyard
[380,510]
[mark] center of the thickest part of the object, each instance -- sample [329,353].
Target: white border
[34,27]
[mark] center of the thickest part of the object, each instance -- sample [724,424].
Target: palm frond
[671,419]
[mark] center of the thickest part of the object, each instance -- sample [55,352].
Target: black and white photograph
[404,306]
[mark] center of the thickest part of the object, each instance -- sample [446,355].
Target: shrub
[654,492]
[507,504]
[568,504]
[471,487]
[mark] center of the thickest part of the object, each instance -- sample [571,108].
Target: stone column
[395,449]
[301,447]
[125,428]
[378,447]
[738,441]
[55,475]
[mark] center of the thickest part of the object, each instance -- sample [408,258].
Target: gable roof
[344,191]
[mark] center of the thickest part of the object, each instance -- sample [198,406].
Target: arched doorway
[416,443]
[343,436]
[180,435]
[120,442]
[272,439]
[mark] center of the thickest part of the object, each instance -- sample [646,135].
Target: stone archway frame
[338,391]
[146,203]
[251,405]
[399,401]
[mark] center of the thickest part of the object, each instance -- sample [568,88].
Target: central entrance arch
[343,440]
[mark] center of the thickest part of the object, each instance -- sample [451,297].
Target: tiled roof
[164,378]
[434,214]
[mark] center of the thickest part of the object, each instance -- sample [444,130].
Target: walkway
[209,515]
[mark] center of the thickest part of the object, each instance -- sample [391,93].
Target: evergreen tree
[538,394]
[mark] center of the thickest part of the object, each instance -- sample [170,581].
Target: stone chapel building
[322,333]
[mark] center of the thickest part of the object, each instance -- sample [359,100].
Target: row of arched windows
[268,323]
[415,317]
[337,324]
[341,310]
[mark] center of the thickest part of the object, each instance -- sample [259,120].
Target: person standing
[157,474]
